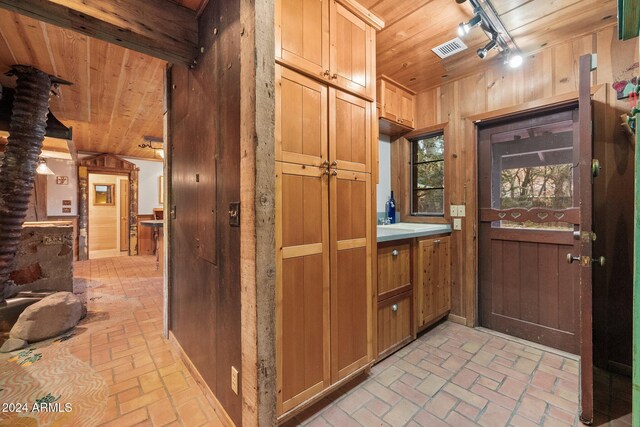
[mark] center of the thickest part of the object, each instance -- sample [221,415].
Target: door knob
[394,308]
[571,258]
[586,261]
[394,252]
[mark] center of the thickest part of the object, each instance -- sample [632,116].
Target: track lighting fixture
[486,16]
[465,27]
[483,51]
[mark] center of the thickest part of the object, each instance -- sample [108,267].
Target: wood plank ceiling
[116,97]
[414,27]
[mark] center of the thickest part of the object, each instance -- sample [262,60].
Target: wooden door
[529,208]
[349,132]
[351,51]
[394,269]
[433,279]
[301,119]
[392,111]
[124,215]
[302,283]
[302,35]
[351,272]
[405,101]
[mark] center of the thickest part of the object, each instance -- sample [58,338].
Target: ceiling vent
[449,48]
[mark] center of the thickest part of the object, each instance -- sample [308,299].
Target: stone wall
[45,257]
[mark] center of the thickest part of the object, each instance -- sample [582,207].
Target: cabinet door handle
[437,242]
[394,308]
[394,252]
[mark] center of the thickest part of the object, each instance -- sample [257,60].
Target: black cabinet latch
[234,214]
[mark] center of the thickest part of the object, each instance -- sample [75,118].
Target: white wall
[384,186]
[56,193]
[150,171]
[147,185]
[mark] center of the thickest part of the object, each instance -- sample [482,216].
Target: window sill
[426,219]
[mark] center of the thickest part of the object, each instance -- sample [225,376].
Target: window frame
[412,188]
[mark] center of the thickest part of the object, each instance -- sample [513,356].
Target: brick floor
[148,383]
[457,376]
[451,375]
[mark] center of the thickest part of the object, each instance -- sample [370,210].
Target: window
[427,175]
[103,194]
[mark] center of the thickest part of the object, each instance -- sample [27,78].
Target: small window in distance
[427,175]
[103,194]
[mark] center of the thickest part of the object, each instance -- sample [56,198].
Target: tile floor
[119,371]
[125,371]
[456,376]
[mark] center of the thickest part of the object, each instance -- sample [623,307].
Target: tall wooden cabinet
[324,224]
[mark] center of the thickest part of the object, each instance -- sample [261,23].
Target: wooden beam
[159,28]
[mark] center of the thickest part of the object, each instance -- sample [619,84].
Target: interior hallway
[116,369]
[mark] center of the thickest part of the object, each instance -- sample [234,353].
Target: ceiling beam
[159,28]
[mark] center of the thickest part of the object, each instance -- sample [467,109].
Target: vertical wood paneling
[529,283]
[550,72]
[549,285]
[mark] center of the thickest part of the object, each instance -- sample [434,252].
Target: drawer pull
[395,252]
[394,308]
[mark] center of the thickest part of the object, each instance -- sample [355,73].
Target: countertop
[406,230]
[152,223]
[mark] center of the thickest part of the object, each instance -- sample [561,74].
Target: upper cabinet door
[301,118]
[302,35]
[349,132]
[406,107]
[351,51]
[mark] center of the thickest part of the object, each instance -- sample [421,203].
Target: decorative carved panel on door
[301,118]
[302,34]
[349,132]
[302,297]
[351,273]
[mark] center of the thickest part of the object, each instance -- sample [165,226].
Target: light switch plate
[454,210]
[462,210]
[457,224]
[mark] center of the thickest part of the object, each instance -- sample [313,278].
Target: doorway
[108,215]
[529,206]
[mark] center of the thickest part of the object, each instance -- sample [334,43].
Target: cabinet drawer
[394,269]
[394,322]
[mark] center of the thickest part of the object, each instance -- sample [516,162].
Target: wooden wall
[548,73]
[204,129]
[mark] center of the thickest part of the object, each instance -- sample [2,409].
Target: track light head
[483,51]
[465,27]
[515,60]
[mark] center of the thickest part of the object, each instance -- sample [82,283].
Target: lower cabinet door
[394,323]
[302,284]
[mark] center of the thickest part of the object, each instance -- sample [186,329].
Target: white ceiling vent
[449,48]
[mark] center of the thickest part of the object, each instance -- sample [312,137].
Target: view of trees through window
[537,187]
[427,178]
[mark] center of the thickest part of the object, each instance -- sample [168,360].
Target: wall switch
[234,380]
[454,210]
[457,224]
[462,210]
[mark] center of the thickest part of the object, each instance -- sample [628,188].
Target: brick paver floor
[451,375]
[458,376]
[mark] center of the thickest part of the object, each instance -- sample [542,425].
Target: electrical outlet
[457,224]
[234,380]
[454,210]
[462,210]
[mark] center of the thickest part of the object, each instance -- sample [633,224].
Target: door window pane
[533,168]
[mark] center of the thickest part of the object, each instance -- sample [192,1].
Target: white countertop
[407,230]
